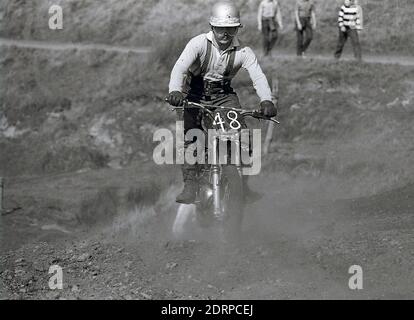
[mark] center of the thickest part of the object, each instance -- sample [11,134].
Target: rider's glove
[176,98]
[268,109]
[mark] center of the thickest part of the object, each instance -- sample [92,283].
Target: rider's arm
[259,80]
[186,59]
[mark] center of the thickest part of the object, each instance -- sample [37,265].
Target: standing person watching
[349,23]
[269,21]
[305,24]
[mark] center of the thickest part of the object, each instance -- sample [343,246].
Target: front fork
[215,170]
[218,213]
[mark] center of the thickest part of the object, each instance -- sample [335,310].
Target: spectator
[349,23]
[305,24]
[269,19]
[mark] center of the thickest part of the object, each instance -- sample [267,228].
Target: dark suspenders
[207,60]
[230,65]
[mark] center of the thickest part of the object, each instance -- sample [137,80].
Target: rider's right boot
[189,193]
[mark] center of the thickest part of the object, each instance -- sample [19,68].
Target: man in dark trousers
[305,24]
[269,21]
[349,23]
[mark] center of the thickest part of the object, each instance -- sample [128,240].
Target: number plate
[226,120]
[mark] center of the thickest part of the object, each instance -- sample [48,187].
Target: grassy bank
[388,27]
[65,111]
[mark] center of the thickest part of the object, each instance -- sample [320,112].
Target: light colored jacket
[191,60]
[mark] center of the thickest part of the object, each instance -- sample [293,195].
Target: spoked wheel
[232,202]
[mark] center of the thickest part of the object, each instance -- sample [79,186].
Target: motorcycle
[220,196]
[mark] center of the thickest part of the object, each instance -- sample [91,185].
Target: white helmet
[225,14]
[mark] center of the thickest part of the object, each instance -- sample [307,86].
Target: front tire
[232,202]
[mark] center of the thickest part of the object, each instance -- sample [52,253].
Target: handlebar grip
[167,99]
[258,115]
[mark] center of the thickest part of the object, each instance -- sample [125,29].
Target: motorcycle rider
[203,74]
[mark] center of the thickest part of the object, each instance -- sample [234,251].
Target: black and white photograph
[215,151]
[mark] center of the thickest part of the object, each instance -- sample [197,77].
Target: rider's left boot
[189,193]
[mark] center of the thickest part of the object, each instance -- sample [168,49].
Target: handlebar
[244,112]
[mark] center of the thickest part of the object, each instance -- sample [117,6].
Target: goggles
[231,31]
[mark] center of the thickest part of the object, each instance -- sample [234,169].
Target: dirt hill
[388,25]
[76,141]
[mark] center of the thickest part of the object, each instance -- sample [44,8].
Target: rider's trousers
[192,116]
[192,120]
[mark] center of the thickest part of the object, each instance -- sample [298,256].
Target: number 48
[232,116]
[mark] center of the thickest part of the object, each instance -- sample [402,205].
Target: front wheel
[232,202]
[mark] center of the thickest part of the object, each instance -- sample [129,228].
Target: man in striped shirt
[349,23]
[269,19]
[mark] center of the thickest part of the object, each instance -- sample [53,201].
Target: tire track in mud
[297,243]
[291,249]
[46,45]
[381,59]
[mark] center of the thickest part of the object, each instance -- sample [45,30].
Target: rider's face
[224,35]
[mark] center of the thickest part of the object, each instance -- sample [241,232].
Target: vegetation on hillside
[388,26]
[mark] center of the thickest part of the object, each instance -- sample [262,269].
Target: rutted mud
[71,46]
[337,192]
[298,242]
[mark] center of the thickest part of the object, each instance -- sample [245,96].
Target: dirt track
[292,249]
[298,241]
[70,46]
[400,60]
